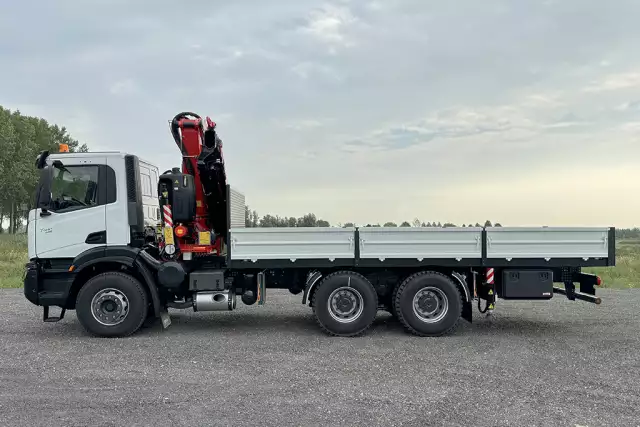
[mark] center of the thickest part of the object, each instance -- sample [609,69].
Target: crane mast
[193,199]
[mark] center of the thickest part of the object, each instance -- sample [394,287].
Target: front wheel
[428,304]
[112,304]
[345,304]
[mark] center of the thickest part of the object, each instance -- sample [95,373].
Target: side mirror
[43,197]
[41,160]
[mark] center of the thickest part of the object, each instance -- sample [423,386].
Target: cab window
[74,187]
[146,185]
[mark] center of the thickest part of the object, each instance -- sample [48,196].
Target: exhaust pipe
[214,301]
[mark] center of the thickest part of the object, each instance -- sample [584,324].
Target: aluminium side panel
[292,243]
[420,243]
[547,242]
[236,208]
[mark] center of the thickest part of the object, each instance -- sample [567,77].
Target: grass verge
[13,256]
[626,273]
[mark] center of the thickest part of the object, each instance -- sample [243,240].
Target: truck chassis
[428,278]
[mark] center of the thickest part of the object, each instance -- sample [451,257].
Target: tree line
[252,219]
[628,233]
[22,138]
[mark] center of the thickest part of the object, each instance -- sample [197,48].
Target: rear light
[598,281]
[180,231]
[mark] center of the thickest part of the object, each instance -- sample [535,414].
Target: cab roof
[91,154]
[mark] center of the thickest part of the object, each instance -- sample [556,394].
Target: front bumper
[31,282]
[46,287]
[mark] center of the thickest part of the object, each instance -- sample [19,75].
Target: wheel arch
[461,281]
[112,258]
[314,278]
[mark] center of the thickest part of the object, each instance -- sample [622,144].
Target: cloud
[123,87]
[361,110]
[506,122]
[309,70]
[301,124]
[329,25]
[629,106]
[631,127]
[617,81]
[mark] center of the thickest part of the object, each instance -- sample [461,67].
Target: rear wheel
[428,304]
[112,304]
[345,304]
[394,293]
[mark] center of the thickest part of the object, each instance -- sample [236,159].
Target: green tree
[22,138]
[405,224]
[390,224]
[309,220]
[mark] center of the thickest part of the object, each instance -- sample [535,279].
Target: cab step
[52,319]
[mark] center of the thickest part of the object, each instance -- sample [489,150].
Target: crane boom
[202,159]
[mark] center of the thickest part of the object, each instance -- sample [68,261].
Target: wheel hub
[110,307]
[345,304]
[430,304]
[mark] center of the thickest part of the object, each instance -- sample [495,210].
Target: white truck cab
[91,194]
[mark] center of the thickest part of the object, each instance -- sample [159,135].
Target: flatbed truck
[90,251]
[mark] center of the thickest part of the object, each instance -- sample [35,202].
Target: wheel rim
[110,307]
[346,304]
[430,304]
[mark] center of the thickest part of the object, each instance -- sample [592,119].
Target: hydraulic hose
[175,132]
[150,261]
[480,307]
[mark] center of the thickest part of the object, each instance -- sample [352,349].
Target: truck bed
[463,246]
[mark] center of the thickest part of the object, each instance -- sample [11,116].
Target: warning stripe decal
[168,219]
[490,276]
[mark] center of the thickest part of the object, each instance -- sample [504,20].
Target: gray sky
[523,112]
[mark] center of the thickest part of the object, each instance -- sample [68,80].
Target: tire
[354,308]
[123,309]
[428,304]
[392,305]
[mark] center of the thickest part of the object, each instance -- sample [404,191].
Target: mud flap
[467,312]
[164,317]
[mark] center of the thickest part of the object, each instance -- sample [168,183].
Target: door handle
[97,238]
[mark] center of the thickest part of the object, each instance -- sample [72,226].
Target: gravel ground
[552,363]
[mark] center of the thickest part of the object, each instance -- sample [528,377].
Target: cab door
[76,220]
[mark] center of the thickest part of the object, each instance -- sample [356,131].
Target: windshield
[74,187]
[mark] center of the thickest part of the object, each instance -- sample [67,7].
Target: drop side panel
[292,243]
[420,243]
[547,242]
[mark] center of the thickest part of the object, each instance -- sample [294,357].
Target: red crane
[202,160]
